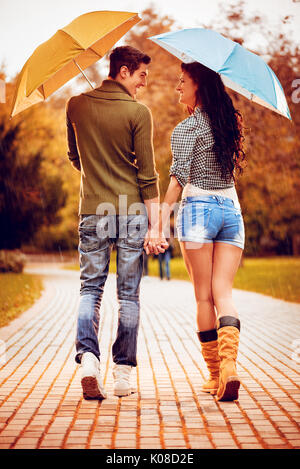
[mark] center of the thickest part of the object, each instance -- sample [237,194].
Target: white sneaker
[91,381]
[121,374]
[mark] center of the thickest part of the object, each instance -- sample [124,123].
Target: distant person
[110,142]
[145,264]
[164,259]
[207,153]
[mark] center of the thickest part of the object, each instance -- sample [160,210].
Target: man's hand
[155,242]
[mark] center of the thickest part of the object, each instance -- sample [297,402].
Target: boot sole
[91,388]
[231,392]
[212,391]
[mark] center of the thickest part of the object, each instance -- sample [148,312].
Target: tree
[29,195]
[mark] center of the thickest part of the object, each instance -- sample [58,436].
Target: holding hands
[155,242]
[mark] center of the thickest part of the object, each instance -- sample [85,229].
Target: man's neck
[119,80]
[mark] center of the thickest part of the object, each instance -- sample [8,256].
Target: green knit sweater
[110,142]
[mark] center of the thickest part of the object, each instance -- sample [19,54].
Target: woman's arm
[171,197]
[155,241]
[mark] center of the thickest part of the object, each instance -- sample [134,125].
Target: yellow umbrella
[86,39]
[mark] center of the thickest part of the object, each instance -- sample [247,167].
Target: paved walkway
[41,404]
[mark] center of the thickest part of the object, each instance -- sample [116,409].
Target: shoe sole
[122,393]
[91,388]
[231,392]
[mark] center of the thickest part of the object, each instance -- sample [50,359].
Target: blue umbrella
[241,70]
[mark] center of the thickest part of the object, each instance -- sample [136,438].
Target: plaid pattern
[194,160]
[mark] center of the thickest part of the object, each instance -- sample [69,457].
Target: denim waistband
[220,200]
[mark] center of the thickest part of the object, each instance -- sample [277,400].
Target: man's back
[114,140]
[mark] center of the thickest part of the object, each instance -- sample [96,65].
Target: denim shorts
[208,219]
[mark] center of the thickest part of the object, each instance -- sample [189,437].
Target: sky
[24,24]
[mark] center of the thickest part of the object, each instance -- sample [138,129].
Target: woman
[207,153]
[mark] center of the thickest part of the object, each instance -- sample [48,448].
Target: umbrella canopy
[241,70]
[72,49]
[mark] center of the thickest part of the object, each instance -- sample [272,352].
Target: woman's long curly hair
[226,121]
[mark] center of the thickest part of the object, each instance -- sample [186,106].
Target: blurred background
[39,189]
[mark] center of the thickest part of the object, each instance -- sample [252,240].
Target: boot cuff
[208,336]
[229,321]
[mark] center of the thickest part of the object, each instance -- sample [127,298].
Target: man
[110,142]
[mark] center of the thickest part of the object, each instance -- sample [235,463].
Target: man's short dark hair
[128,56]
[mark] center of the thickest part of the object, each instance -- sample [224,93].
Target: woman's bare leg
[226,260]
[225,265]
[198,258]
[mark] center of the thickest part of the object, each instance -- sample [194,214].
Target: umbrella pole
[83,74]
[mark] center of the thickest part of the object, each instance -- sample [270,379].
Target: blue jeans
[97,235]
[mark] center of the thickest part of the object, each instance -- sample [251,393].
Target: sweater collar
[114,86]
[111,89]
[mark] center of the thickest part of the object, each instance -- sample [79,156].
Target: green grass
[18,293]
[274,276]
[177,267]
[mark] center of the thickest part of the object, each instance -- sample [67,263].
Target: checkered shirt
[194,160]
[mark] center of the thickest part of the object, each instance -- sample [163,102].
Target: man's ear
[124,71]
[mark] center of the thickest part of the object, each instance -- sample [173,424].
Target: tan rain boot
[209,348]
[228,338]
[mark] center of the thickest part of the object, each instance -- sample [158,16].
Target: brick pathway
[41,404]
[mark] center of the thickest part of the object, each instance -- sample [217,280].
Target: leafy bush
[11,261]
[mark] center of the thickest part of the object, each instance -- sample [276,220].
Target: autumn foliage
[30,194]
[268,189]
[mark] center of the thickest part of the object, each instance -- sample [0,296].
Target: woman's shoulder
[202,117]
[188,124]
[198,123]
